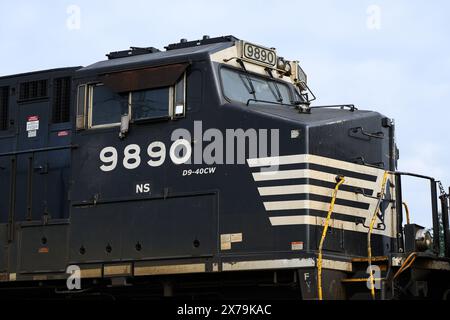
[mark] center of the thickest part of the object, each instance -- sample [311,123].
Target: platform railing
[434,210]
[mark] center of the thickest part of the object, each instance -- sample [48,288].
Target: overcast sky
[389,56]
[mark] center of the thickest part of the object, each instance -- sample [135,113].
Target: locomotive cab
[168,136]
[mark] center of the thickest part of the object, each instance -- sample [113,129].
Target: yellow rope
[324,233]
[406,264]
[407,212]
[369,235]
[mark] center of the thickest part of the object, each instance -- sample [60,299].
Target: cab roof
[175,53]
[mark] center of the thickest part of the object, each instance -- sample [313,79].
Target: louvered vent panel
[4,104]
[61,99]
[33,90]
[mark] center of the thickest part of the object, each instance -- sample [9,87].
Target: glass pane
[284,92]
[150,104]
[270,90]
[179,92]
[106,106]
[81,103]
[263,91]
[234,86]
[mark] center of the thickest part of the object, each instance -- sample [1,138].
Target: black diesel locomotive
[204,170]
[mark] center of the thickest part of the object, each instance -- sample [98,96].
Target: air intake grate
[61,99]
[4,96]
[33,90]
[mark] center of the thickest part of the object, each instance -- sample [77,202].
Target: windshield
[241,87]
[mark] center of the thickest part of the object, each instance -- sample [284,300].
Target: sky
[390,56]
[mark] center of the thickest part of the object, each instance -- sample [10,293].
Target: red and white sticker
[32,123]
[33,118]
[297,245]
[32,126]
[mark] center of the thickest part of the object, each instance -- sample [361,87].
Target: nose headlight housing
[417,238]
[284,67]
[298,75]
[281,64]
[424,240]
[288,68]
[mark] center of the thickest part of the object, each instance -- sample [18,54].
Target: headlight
[424,240]
[281,64]
[288,67]
[417,238]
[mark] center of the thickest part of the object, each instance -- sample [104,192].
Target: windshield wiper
[252,88]
[279,98]
[270,102]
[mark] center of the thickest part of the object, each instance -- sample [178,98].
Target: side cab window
[100,105]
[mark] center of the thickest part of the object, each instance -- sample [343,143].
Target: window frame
[174,98]
[141,120]
[172,103]
[264,77]
[90,107]
[87,106]
[82,116]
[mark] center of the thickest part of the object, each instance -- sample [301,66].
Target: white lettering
[132,158]
[160,153]
[184,154]
[110,162]
[237,146]
[143,188]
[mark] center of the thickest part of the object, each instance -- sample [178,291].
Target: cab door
[118,118]
[32,167]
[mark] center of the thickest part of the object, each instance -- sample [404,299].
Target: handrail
[405,205]
[369,234]
[15,153]
[339,181]
[434,205]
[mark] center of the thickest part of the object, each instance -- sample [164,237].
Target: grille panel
[4,104]
[61,100]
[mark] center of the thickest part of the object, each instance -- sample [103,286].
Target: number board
[258,54]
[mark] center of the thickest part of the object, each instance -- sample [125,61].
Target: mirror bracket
[124,126]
